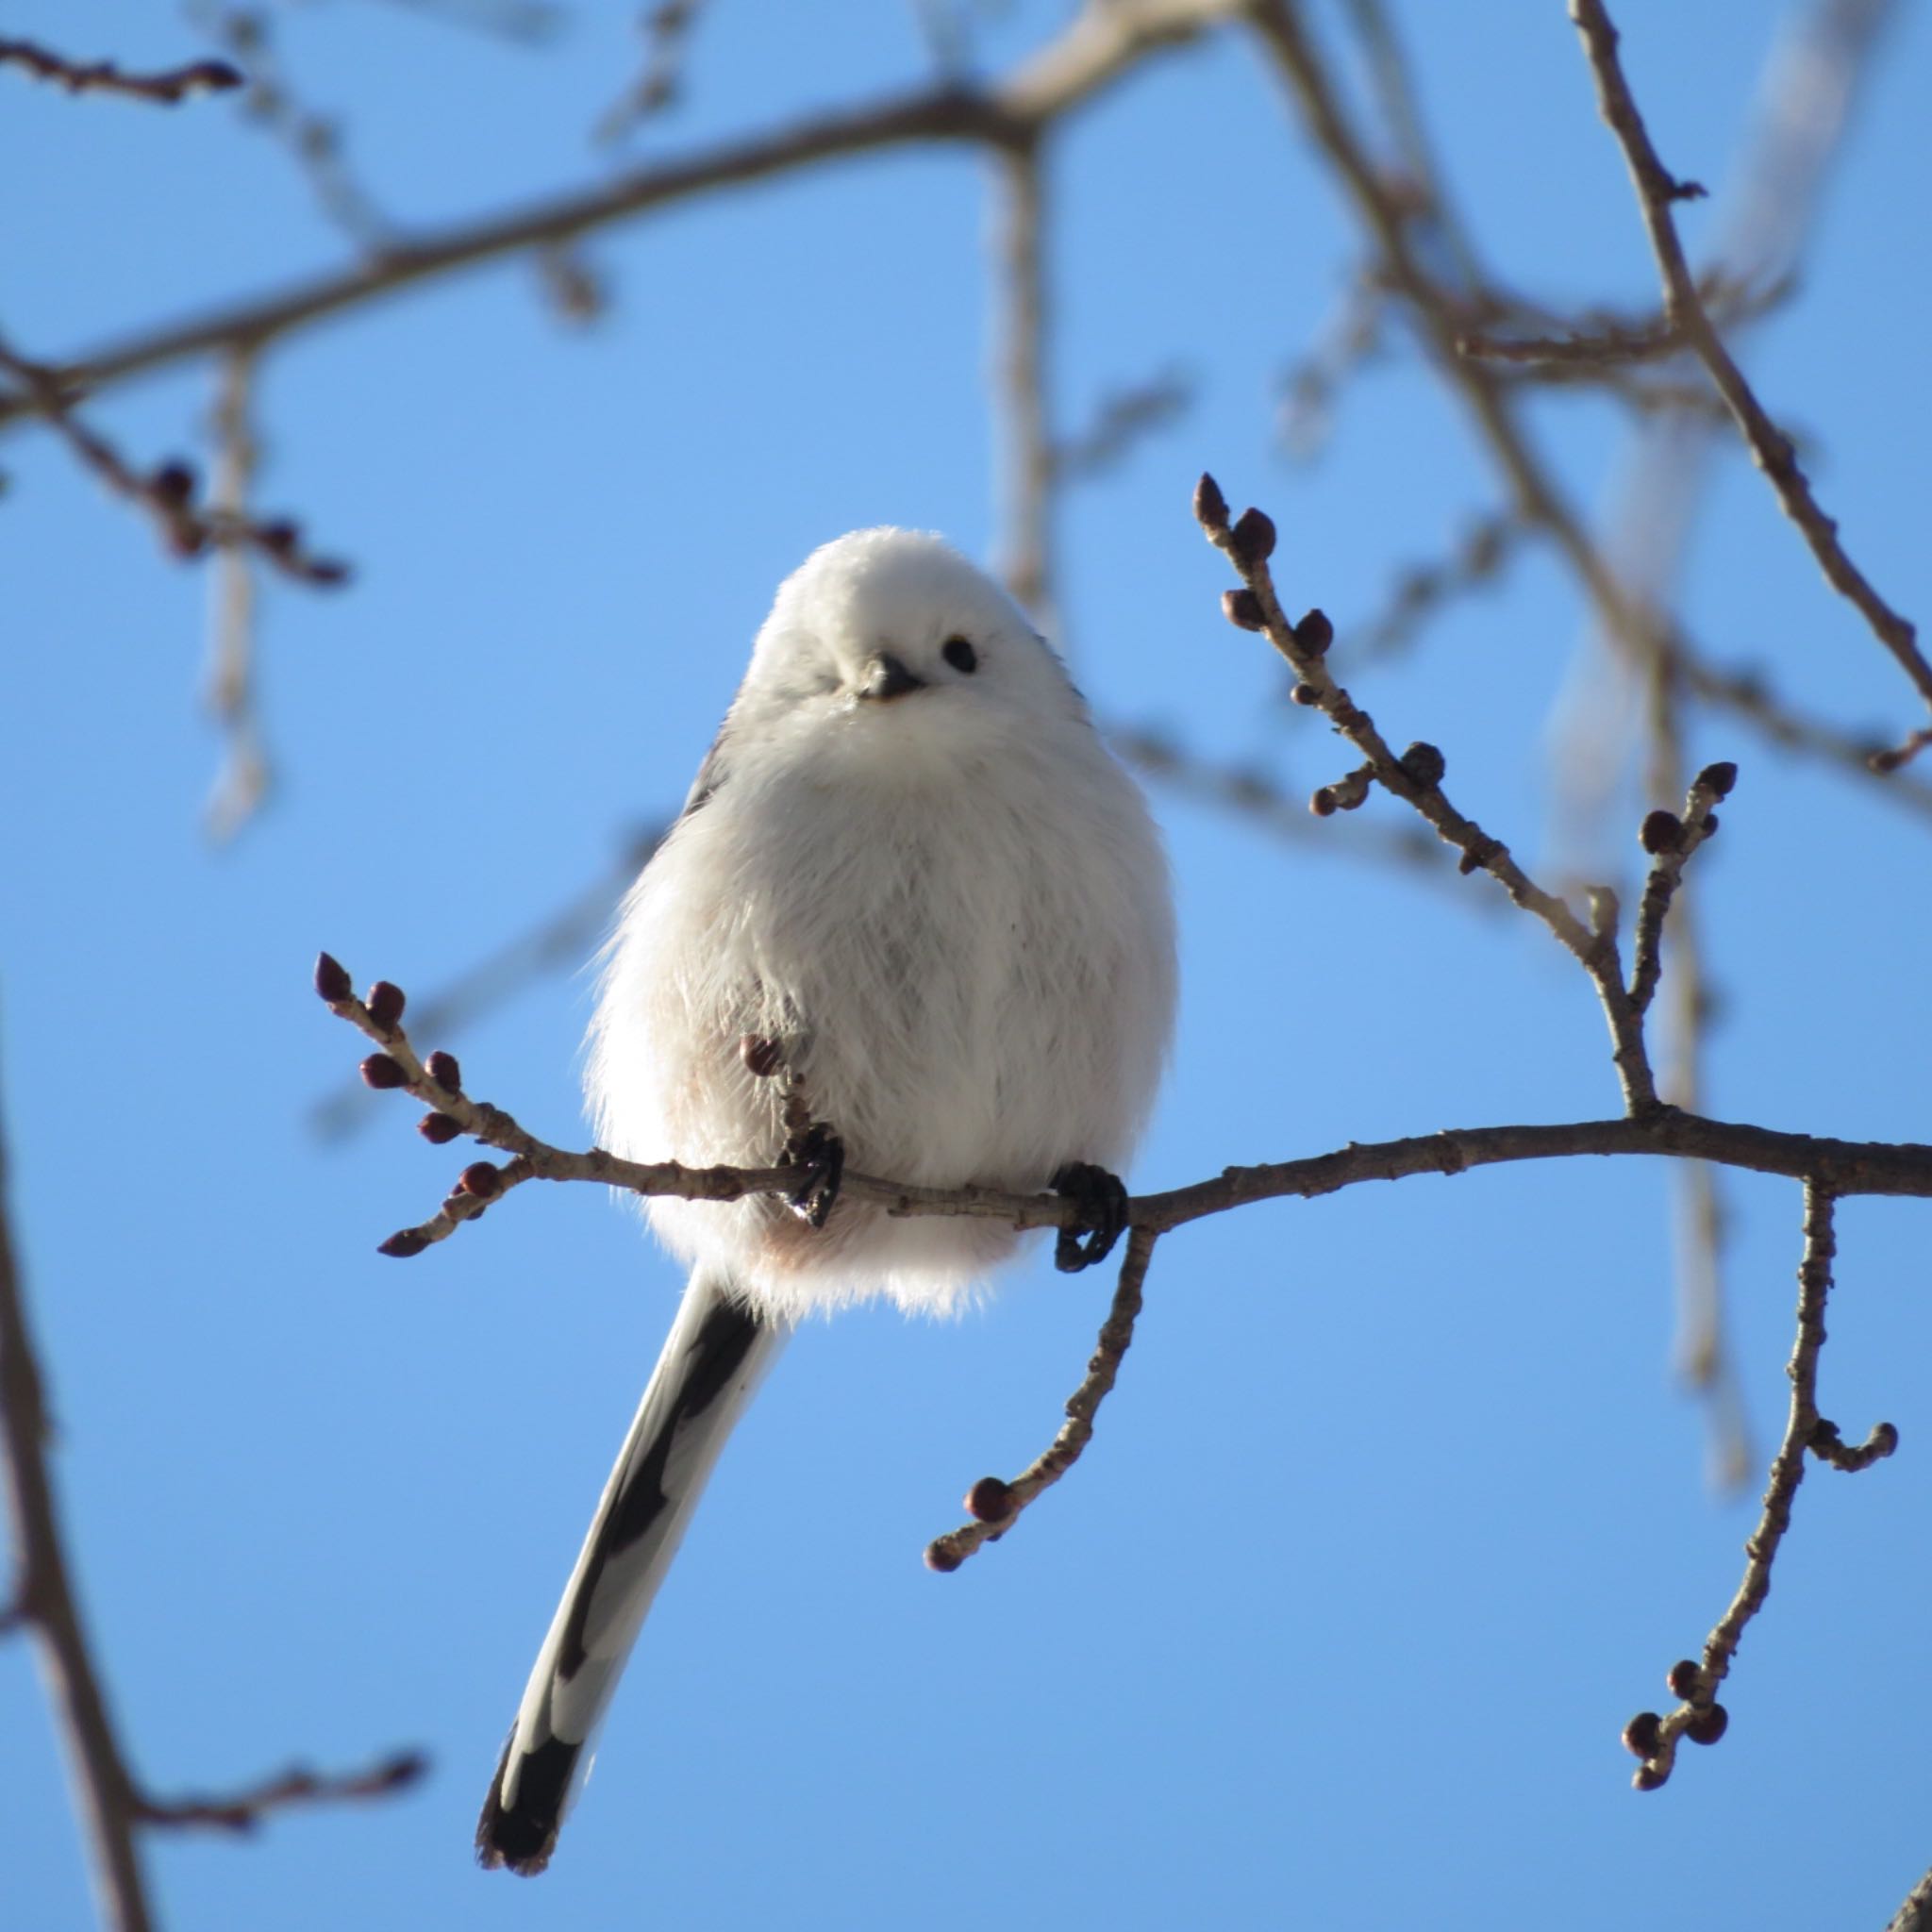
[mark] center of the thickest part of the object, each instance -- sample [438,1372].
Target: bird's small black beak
[888,677]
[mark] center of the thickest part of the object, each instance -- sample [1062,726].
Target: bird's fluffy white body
[949,908]
[911,863]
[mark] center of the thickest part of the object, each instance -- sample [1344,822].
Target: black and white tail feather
[713,1360]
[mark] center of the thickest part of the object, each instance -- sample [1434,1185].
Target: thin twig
[1026,459]
[1699,1715]
[1104,41]
[1671,841]
[1416,779]
[1441,319]
[1612,349]
[1267,803]
[1486,547]
[242,782]
[1656,190]
[167,493]
[666,28]
[169,86]
[557,942]
[1702,1348]
[995,1504]
[112,1804]
[313,141]
[1121,418]
[44,1601]
[242,1811]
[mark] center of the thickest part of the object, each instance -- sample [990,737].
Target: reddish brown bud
[403,1243]
[1211,506]
[1242,607]
[444,1069]
[940,1559]
[332,979]
[173,484]
[1640,1733]
[1306,694]
[404,1768]
[482,1178]
[213,76]
[279,537]
[1468,863]
[380,1072]
[1684,1677]
[1425,764]
[1718,780]
[1252,538]
[1662,831]
[331,571]
[989,1499]
[385,1003]
[1708,1726]
[1709,825]
[1322,802]
[1883,1439]
[1314,633]
[1648,1777]
[439,1128]
[761,1057]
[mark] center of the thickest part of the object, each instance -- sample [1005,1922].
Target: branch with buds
[170,87]
[169,492]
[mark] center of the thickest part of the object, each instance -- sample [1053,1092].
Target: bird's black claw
[1102,1199]
[822,1153]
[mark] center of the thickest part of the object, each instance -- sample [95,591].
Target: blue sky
[1396,1514]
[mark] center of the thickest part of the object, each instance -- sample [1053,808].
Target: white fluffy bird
[909,873]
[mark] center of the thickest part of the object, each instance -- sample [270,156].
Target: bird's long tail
[713,1360]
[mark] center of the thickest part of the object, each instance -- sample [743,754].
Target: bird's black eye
[960,654]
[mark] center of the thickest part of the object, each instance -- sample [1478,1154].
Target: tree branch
[1104,40]
[1699,1717]
[994,1504]
[1656,190]
[1846,1167]
[45,1601]
[1416,778]
[169,88]
[1441,320]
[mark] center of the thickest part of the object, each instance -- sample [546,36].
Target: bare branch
[666,30]
[111,1804]
[1656,190]
[995,1504]
[242,1811]
[1027,466]
[1699,1716]
[169,88]
[1486,545]
[1671,841]
[1847,1167]
[1611,349]
[45,1603]
[312,140]
[168,493]
[1104,41]
[242,781]
[1442,319]
[1416,779]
